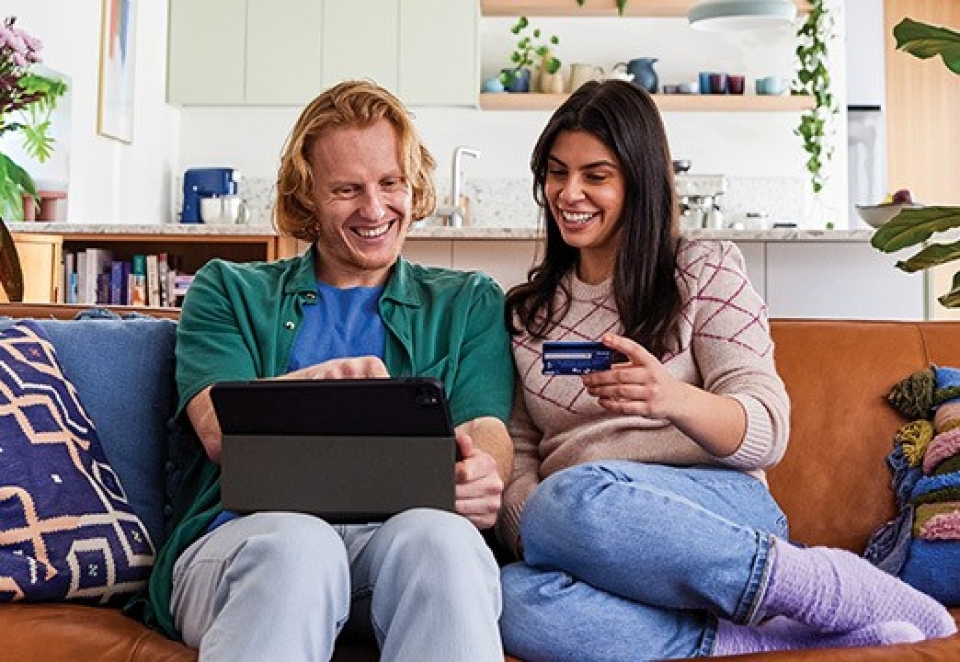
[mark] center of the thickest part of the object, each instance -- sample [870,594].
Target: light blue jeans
[629,561]
[282,586]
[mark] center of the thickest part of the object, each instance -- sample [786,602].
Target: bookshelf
[42,248]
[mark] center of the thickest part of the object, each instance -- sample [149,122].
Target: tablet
[350,450]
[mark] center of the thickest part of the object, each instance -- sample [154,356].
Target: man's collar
[402,286]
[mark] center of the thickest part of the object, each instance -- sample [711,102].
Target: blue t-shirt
[343,323]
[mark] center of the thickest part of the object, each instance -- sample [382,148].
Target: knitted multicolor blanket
[922,545]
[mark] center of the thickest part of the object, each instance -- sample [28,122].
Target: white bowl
[877,215]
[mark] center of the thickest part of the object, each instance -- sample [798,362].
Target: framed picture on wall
[117,56]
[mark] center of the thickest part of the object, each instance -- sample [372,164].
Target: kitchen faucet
[454,211]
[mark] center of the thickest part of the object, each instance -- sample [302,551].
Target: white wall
[109,181]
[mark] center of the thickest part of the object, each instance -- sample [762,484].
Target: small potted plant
[532,49]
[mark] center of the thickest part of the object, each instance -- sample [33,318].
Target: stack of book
[93,276]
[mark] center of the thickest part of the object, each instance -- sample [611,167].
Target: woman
[638,501]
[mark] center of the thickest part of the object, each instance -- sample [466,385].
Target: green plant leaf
[914,225]
[926,41]
[930,256]
[952,298]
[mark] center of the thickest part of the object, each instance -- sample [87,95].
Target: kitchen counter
[427,232]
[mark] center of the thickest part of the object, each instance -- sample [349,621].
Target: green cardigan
[239,322]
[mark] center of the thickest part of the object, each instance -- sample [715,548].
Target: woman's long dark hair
[624,117]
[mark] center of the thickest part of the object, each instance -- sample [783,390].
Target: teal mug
[771,85]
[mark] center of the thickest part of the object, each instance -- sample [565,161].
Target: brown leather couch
[833,484]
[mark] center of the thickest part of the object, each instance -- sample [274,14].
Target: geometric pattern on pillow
[67,530]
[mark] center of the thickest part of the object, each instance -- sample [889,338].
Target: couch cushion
[124,372]
[67,530]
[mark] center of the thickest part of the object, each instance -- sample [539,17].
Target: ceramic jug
[643,72]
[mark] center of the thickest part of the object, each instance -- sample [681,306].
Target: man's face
[363,203]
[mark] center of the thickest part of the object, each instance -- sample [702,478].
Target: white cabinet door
[439,52]
[754,258]
[206,47]
[841,281]
[430,252]
[507,262]
[361,41]
[283,53]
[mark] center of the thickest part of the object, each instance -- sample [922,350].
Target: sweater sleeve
[526,472]
[733,349]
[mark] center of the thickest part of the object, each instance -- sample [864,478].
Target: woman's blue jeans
[631,561]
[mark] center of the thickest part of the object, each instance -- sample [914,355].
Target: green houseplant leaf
[952,298]
[926,41]
[914,225]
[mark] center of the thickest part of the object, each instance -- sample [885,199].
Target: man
[281,586]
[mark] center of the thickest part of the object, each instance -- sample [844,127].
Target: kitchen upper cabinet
[283,52]
[439,66]
[228,52]
[361,41]
[206,52]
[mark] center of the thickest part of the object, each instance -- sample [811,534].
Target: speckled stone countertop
[426,232]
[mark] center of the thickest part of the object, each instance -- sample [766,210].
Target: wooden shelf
[665,102]
[652,8]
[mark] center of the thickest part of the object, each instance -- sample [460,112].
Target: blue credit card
[575,357]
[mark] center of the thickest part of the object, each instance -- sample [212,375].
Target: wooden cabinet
[41,254]
[40,262]
[923,129]
[283,52]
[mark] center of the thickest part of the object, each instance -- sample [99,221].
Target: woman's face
[585,191]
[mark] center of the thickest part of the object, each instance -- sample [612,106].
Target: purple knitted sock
[834,590]
[781,634]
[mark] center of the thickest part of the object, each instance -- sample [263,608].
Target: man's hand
[478,484]
[204,419]
[360,367]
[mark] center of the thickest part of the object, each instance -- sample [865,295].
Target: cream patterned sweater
[725,348]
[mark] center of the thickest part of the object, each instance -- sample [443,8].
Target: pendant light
[717,15]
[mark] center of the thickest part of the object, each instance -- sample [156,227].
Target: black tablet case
[350,451]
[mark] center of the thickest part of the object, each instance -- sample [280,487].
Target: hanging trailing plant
[817,126]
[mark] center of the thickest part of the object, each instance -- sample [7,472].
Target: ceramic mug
[735,83]
[772,85]
[582,72]
[718,83]
[617,74]
[223,210]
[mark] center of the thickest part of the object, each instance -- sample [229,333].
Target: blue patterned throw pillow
[67,530]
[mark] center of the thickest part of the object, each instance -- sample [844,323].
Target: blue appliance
[199,183]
